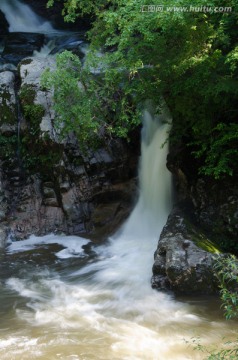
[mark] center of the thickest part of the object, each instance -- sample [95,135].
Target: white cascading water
[58,302]
[22,19]
[105,309]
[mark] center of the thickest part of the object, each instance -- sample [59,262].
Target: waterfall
[70,305]
[137,239]
[154,204]
[22,19]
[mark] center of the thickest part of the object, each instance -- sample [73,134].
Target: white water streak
[21,18]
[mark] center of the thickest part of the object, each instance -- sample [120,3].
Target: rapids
[65,298]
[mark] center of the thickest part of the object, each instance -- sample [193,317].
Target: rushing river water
[65,298]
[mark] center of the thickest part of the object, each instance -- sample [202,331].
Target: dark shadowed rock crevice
[4,26]
[204,221]
[211,204]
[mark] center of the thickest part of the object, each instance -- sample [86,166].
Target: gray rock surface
[49,185]
[3,237]
[30,75]
[184,258]
[8,115]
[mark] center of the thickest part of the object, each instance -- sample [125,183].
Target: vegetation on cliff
[188,57]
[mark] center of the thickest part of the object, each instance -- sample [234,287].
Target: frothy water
[62,301]
[21,18]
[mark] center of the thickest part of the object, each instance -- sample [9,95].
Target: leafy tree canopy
[189,59]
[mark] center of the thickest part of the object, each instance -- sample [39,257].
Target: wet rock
[3,237]
[21,45]
[8,115]
[3,204]
[73,42]
[4,26]
[30,73]
[184,258]
[49,196]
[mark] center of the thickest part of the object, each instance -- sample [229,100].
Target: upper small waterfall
[21,18]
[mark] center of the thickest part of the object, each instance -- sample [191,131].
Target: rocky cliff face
[49,185]
[203,223]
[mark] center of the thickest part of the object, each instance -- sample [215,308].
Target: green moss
[201,240]
[206,244]
[8,146]
[27,94]
[7,109]
[33,114]
[26,61]
[39,153]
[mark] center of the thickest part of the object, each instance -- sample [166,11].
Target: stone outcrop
[50,185]
[205,218]
[184,258]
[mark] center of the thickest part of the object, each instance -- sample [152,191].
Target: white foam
[73,245]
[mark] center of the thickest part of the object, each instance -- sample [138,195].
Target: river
[63,297]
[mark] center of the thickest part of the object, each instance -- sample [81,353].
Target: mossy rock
[8,113]
[200,239]
[8,146]
[27,94]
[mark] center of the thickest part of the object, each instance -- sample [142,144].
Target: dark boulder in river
[4,26]
[21,45]
[184,258]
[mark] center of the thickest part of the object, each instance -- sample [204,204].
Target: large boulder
[184,258]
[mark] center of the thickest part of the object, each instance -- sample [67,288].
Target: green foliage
[189,59]
[27,94]
[83,105]
[226,270]
[38,153]
[8,146]
[221,150]
[229,350]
